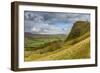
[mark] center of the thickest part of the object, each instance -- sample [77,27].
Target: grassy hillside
[76,46]
[79,28]
[77,51]
[69,48]
[35,41]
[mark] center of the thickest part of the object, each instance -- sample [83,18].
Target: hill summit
[79,28]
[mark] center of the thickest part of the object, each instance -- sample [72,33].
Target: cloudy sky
[37,22]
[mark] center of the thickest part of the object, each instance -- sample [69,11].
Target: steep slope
[76,45]
[79,28]
[77,51]
[36,55]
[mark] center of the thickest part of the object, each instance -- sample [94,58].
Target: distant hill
[30,35]
[27,34]
[79,28]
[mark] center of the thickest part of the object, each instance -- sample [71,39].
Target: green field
[57,47]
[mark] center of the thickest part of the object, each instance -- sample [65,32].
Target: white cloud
[47,29]
[48,22]
[34,29]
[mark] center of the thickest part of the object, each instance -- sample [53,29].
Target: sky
[38,22]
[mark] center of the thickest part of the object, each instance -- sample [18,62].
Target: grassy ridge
[79,28]
[76,45]
[68,47]
[77,51]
